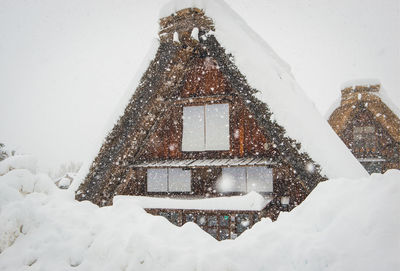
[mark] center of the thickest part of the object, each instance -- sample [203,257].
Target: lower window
[245,179]
[168,180]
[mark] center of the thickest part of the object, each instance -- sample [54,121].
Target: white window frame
[168,182]
[246,184]
[202,132]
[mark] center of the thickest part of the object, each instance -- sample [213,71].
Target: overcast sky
[65,65]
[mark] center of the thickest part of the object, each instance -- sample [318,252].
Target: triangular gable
[278,93]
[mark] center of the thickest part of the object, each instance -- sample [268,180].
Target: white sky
[64,65]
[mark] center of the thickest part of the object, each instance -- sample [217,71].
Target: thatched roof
[366,96]
[162,81]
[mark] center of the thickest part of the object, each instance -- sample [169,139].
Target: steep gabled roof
[368,97]
[265,72]
[255,73]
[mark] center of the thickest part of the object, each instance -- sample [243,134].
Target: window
[285,200]
[245,179]
[364,137]
[233,179]
[157,180]
[168,180]
[216,225]
[205,128]
[242,222]
[259,179]
[173,217]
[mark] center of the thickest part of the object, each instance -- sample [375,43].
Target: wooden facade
[150,135]
[369,128]
[210,88]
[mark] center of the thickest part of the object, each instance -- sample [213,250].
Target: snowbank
[345,224]
[18,162]
[250,202]
[366,82]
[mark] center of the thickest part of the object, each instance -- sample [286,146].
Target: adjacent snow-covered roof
[374,99]
[249,202]
[382,94]
[360,82]
[272,77]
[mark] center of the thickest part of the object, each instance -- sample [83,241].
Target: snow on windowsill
[249,202]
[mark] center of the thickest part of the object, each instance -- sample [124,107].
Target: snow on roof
[350,84]
[249,202]
[119,110]
[360,82]
[272,77]
[332,108]
[382,94]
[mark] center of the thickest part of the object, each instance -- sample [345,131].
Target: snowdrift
[345,224]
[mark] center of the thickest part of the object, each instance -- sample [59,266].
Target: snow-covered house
[216,137]
[367,123]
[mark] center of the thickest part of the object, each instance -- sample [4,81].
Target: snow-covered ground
[345,224]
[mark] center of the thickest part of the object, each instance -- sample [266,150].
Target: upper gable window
[364,137]
[206,128]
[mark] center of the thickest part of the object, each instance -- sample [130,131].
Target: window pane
[212,221]
[165,214]
[369,129]
[259,179]
[217,127]
[179,180]
[224,220]
[242,222]
[233,179]
[174,218]
[201,220]
[157,180]
[193,128]
[190,218]
[224,234]
[364,137]
[256,218]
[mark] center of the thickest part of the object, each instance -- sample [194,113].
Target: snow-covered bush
[27,162]
[18,178]
[3,153]
[64,169]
